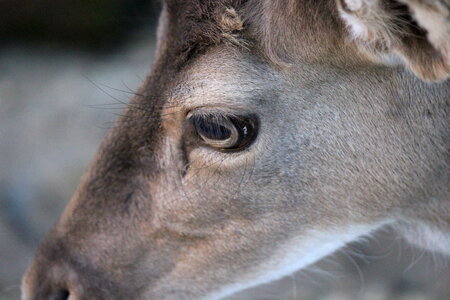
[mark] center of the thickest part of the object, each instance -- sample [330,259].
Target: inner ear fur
[414,32]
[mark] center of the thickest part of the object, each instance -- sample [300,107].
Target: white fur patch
[299,253]
[354,4]
[358,29]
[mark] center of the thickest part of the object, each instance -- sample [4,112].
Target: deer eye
[232,133]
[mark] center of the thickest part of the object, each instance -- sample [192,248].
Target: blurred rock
[55,107]
[15,255]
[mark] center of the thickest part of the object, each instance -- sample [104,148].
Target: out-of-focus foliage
[92,24]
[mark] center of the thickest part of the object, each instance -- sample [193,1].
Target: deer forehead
[224,76]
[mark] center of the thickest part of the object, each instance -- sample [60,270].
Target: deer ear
[416,31]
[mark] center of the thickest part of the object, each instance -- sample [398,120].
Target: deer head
[267,135]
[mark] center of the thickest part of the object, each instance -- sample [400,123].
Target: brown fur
[346,145]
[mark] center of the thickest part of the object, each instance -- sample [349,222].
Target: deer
[267,135]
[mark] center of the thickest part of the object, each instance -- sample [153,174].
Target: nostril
[61,295]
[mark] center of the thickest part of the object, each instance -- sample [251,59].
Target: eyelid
[219,112]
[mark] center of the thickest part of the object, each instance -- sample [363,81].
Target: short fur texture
[347,143]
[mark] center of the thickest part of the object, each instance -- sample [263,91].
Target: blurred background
[66,70]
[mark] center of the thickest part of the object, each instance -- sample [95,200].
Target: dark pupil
[211,129]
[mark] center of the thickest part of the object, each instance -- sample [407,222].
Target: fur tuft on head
[232,25]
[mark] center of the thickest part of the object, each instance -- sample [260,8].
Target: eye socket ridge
[225,132]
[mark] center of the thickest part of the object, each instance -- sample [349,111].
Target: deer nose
[45,292]
[51,276]
[60,271]
[47,284]
[61,295]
